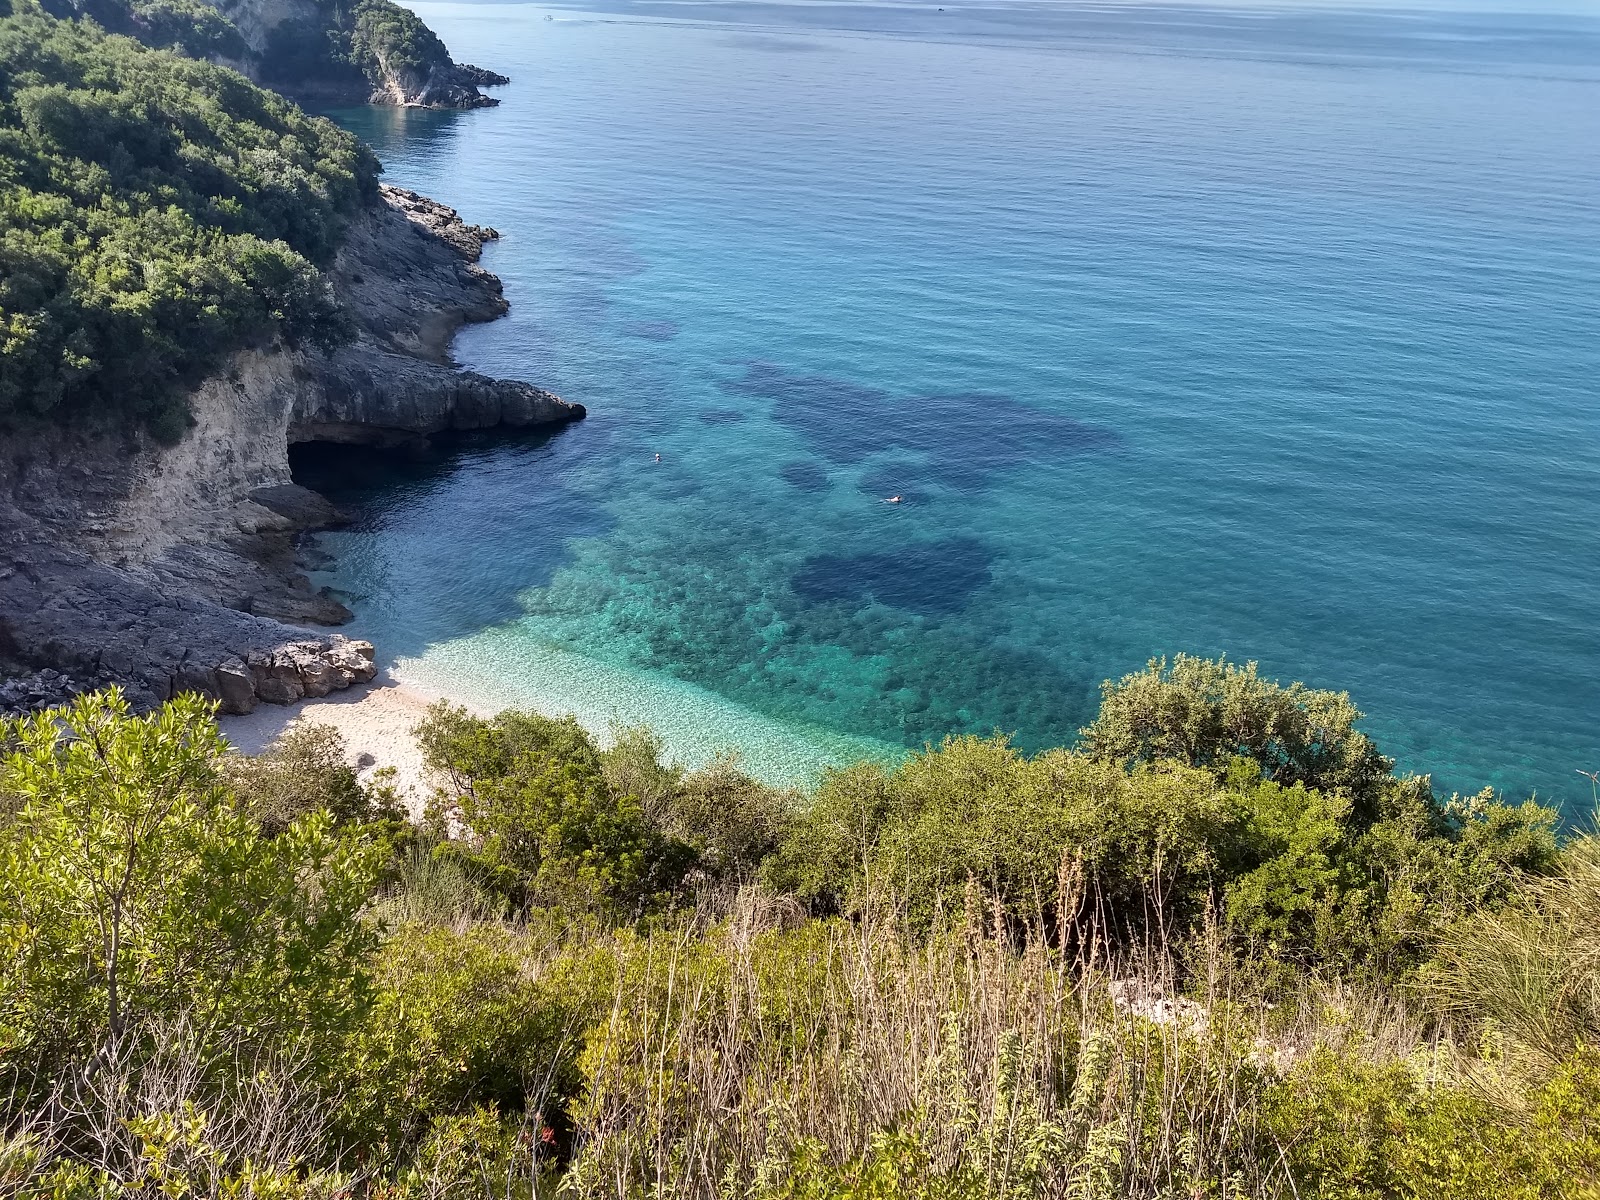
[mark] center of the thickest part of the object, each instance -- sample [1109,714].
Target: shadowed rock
[173,568]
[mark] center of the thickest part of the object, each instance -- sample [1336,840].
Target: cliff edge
[172,568]
[367,52]
[371,51]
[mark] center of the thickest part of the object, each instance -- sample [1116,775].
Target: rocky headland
[365,52]
[383,54]
[171,568]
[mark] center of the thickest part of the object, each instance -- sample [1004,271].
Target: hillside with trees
[1219,949]
[156,214]
[373,50]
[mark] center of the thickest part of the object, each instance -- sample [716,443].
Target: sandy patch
[376,720]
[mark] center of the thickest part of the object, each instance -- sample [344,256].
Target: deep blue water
[1272,332]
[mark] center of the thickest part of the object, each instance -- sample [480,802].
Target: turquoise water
[1265,331]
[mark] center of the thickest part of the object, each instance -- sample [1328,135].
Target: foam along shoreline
[500,668]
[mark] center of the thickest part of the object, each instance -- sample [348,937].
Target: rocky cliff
[170,568]
[370,51]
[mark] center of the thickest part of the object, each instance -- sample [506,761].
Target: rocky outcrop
[479,77]
[94,624]
[287,42]
[396,385]
[171,568]
[446,85]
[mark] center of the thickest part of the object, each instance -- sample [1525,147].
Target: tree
[531,797]
[156,215]
[134,890]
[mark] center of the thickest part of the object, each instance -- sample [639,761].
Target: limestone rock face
[397,385]
[100,624]
[445,85]
[440,84]
[174,568]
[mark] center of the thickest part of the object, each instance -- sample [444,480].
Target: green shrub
[1207,713]
[1142,842]
[1532,967]
[135,892]
[306,769]
[1295,875]
[461,1020]
[478,1155]
[731,821]
[1356,1130]
[177,1156]
[434,884]
[540,818]
[633,767]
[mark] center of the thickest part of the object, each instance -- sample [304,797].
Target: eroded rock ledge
[167,569]
[445,85]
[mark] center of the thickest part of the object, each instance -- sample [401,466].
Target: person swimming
[893,499]
[658,458]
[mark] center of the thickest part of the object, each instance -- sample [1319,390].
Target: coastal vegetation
[1219,948]
[361,47]
[325,49]
[156,214]
[190,27]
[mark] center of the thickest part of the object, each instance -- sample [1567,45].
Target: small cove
[1211,341]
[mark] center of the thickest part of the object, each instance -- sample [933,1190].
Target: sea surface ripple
[1261,330]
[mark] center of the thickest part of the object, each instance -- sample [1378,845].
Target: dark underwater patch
[929,578]
[910,481]
[805,476]
[968,435]
[721,416]
[652,331]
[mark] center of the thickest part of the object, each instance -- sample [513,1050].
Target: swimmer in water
[893,499]
[658,458]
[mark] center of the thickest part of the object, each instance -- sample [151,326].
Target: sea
[1261,330]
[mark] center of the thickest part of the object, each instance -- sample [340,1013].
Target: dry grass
[760,1048]
[1531,972]
[266,1109]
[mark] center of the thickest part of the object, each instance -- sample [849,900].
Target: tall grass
[766,1053]
[156,1113]
[1532,970]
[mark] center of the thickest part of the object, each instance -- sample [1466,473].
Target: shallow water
[1272,332]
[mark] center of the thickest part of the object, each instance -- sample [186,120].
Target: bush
[135,894]
[1062,838]
[1354,1130]
[306,770]
[478,1155]
[461,1020]
[731,821]
[539,817]
[1532,967]
[1207,713]
[980,810]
